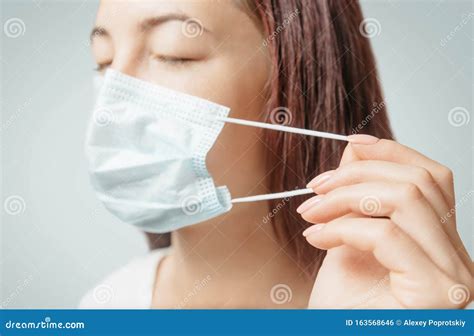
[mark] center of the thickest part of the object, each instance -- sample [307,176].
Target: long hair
[323,77]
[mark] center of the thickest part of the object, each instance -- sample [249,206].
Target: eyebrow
[152,22]
[98,31]
[157,20]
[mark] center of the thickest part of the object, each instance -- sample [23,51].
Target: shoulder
[129,287]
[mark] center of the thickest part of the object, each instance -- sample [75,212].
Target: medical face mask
[147,147]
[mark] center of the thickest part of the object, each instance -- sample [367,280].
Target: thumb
[353,150]
[349,155]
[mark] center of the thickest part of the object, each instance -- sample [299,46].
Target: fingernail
[318,180]
[312,229]
[362,139]
[308,204]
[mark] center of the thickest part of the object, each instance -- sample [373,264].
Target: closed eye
[102,66]
[172,60]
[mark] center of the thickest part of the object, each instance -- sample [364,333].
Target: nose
[129,59]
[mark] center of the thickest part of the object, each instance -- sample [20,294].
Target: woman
[375,236]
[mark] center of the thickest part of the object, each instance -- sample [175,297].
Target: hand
[386,216]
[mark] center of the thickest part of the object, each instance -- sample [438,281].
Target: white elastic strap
[273,196]
[284,128]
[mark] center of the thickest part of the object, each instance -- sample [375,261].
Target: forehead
[214,12]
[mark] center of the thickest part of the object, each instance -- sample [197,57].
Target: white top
[130,287]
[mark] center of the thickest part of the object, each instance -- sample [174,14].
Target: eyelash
[101,67]
[174,61]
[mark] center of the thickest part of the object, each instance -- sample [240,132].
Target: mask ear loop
[283,129]
[272,196]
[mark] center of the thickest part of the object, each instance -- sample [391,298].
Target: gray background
[60,241]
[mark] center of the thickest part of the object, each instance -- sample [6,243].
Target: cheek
[237,158]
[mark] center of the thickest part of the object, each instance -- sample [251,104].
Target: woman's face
[207,48]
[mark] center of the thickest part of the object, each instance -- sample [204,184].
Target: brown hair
[324,78]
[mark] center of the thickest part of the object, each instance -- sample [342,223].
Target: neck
[235,260]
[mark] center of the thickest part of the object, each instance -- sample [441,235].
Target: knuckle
[334,194]
[423,175]
[387,229]
[390,146]
[411,300]
[386,143]
[445,173]
[410,191]
[353,170]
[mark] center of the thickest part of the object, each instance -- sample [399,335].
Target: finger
[391,151]
[411,270]
[348,156]
[371,170]
[403,203]
[393,248]
[388,150]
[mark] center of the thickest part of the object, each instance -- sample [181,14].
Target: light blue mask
[147,148]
